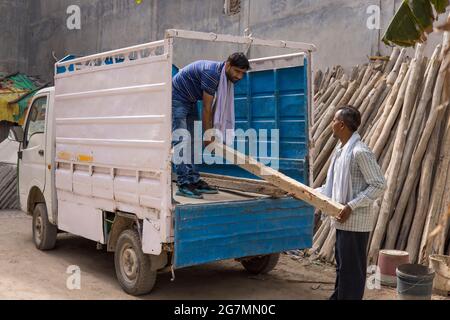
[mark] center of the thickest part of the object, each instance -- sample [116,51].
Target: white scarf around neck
[339,185]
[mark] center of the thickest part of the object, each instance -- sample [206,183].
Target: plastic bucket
[388,261]
[441,266]
[414,282]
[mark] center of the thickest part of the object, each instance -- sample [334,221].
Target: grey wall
[337,27]
[105,25]
[13,26]
[111,24]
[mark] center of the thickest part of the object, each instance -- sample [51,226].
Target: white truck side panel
[150,239]
[113,138]
[87,222]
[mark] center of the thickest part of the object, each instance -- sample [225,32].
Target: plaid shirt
[368,184]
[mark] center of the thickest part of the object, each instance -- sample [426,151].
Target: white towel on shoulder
[224,120]
[339,183]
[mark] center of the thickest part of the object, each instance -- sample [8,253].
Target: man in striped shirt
[199,81]
[355,175]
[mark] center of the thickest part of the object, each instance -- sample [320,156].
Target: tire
[261,264]
[44,233]
[133,267]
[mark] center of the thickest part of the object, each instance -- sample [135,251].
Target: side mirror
[16,134]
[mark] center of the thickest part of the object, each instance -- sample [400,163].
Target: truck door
[32,153]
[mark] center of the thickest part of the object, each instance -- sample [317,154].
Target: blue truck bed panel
[273,99]
[270,99]
[220,231]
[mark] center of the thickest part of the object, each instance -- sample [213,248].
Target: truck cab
[36,158]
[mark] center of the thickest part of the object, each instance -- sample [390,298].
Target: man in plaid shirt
[355,180]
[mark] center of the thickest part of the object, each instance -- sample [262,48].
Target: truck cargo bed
[212,231]
[222,196]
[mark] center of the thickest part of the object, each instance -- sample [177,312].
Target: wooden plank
[291,186]
[240,184]
[384,58]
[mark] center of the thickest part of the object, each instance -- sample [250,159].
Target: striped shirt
[196,78]
[368,183]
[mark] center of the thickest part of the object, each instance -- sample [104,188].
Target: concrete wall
[13,26]
[105,25]
[112,24]
[337,28]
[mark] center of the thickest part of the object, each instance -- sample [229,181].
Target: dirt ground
[26,273]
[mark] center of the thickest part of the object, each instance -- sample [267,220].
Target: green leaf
[413,21]
[423,13]
[440,5]
[403,29]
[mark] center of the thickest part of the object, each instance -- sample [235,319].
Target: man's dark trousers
[351,265]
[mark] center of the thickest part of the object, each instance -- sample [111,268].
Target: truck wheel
[261,264]
[44,233]
[133,267]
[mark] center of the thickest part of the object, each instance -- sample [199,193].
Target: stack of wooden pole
[405,111]
[9,196]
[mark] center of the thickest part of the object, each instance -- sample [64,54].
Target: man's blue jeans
[183,117]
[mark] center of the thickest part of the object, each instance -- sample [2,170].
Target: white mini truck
[95,161]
